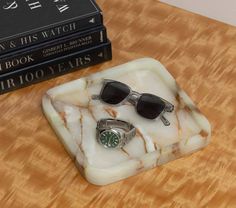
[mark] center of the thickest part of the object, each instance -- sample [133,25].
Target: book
[56,67]
[29,22]
[52,49]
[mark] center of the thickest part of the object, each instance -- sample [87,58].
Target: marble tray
[74,115]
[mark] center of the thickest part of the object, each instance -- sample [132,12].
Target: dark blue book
[29,22]
[45,51]
[56,67]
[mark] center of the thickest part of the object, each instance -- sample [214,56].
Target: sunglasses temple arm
[165,121]
[169,107]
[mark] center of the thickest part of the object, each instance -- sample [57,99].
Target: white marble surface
[74,115]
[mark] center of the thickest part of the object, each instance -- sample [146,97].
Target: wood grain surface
[36,171]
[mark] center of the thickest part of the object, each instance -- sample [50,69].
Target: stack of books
[42,39]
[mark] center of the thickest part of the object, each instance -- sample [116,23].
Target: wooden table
[35,170]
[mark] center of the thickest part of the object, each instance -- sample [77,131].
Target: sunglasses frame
[133,98]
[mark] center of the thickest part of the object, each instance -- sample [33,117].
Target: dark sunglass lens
[150,106]
[114,92]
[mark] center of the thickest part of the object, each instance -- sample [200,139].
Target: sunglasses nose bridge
[133,97]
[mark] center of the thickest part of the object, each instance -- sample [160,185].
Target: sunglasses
[147,105]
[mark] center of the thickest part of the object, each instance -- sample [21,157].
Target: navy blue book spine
[46,51]
[59,66]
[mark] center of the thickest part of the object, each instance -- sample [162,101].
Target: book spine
[50,69]
[48,51]
[29,39]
